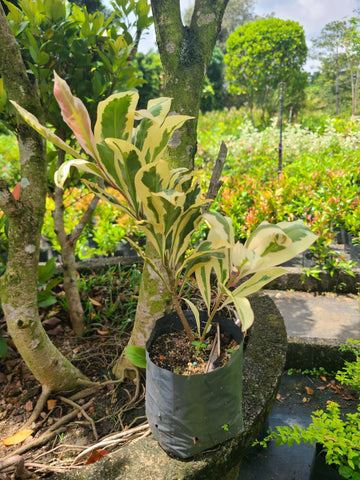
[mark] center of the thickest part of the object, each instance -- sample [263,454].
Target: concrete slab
[327,316]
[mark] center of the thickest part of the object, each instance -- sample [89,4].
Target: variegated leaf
[152,139]
[115,116]
[75,115]
[109,198]
[273,246]
[243,309]
[84,165]
[196,314]
[220,227]
[45,132]
[159,108]
[203,277]
[256,282]
[121,161]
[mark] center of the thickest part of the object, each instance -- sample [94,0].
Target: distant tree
[150,70]
[214,90]
[338,49]
[237,13]
[262,54]
[327,47]
[91,5]
[351,44]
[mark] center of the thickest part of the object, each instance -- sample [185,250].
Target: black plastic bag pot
[320,470]
[188,414]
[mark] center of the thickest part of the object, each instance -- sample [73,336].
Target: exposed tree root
[15,462]
[82,410]
[39,407]
[115,439]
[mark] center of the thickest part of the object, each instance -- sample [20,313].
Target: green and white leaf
[84,165]
[44,131]
[276,244]
[256,282]
[115,116]
[243,308]
[196,314]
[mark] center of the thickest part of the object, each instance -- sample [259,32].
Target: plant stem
[182,317]
[211,316]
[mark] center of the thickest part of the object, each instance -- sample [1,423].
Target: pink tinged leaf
[75,115]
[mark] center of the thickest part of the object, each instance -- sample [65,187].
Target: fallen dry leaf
[102,331]
[321,388]
[94,302]
[52,321]
[19,437]
[309,390]
[350,396]
[29,406]
[96,455]
[323,378]
[51,403]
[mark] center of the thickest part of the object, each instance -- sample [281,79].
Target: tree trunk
[68,245]
[185,54]
[356,92]
[19,284]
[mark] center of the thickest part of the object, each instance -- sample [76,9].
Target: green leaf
[46,272]
[45,298]
[136,355]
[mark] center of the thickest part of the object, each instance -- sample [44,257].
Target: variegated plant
[268,245]
[119,149]
[167,203]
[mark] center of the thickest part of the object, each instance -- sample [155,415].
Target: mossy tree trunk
[19,284]
[185,54]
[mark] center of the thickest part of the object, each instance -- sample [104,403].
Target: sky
[312,15]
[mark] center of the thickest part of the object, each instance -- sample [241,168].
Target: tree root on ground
[57,427]
[15,461]
[124,436]
[39,407]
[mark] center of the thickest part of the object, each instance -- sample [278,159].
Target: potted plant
[126,147]
[337,436]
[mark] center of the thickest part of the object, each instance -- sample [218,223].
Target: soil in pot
[174,351]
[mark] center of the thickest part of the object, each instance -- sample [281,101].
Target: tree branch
[8,204]
[215,182]
[169,30]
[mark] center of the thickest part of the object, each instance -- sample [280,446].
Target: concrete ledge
[264,360]
[308,353]
[340,282]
